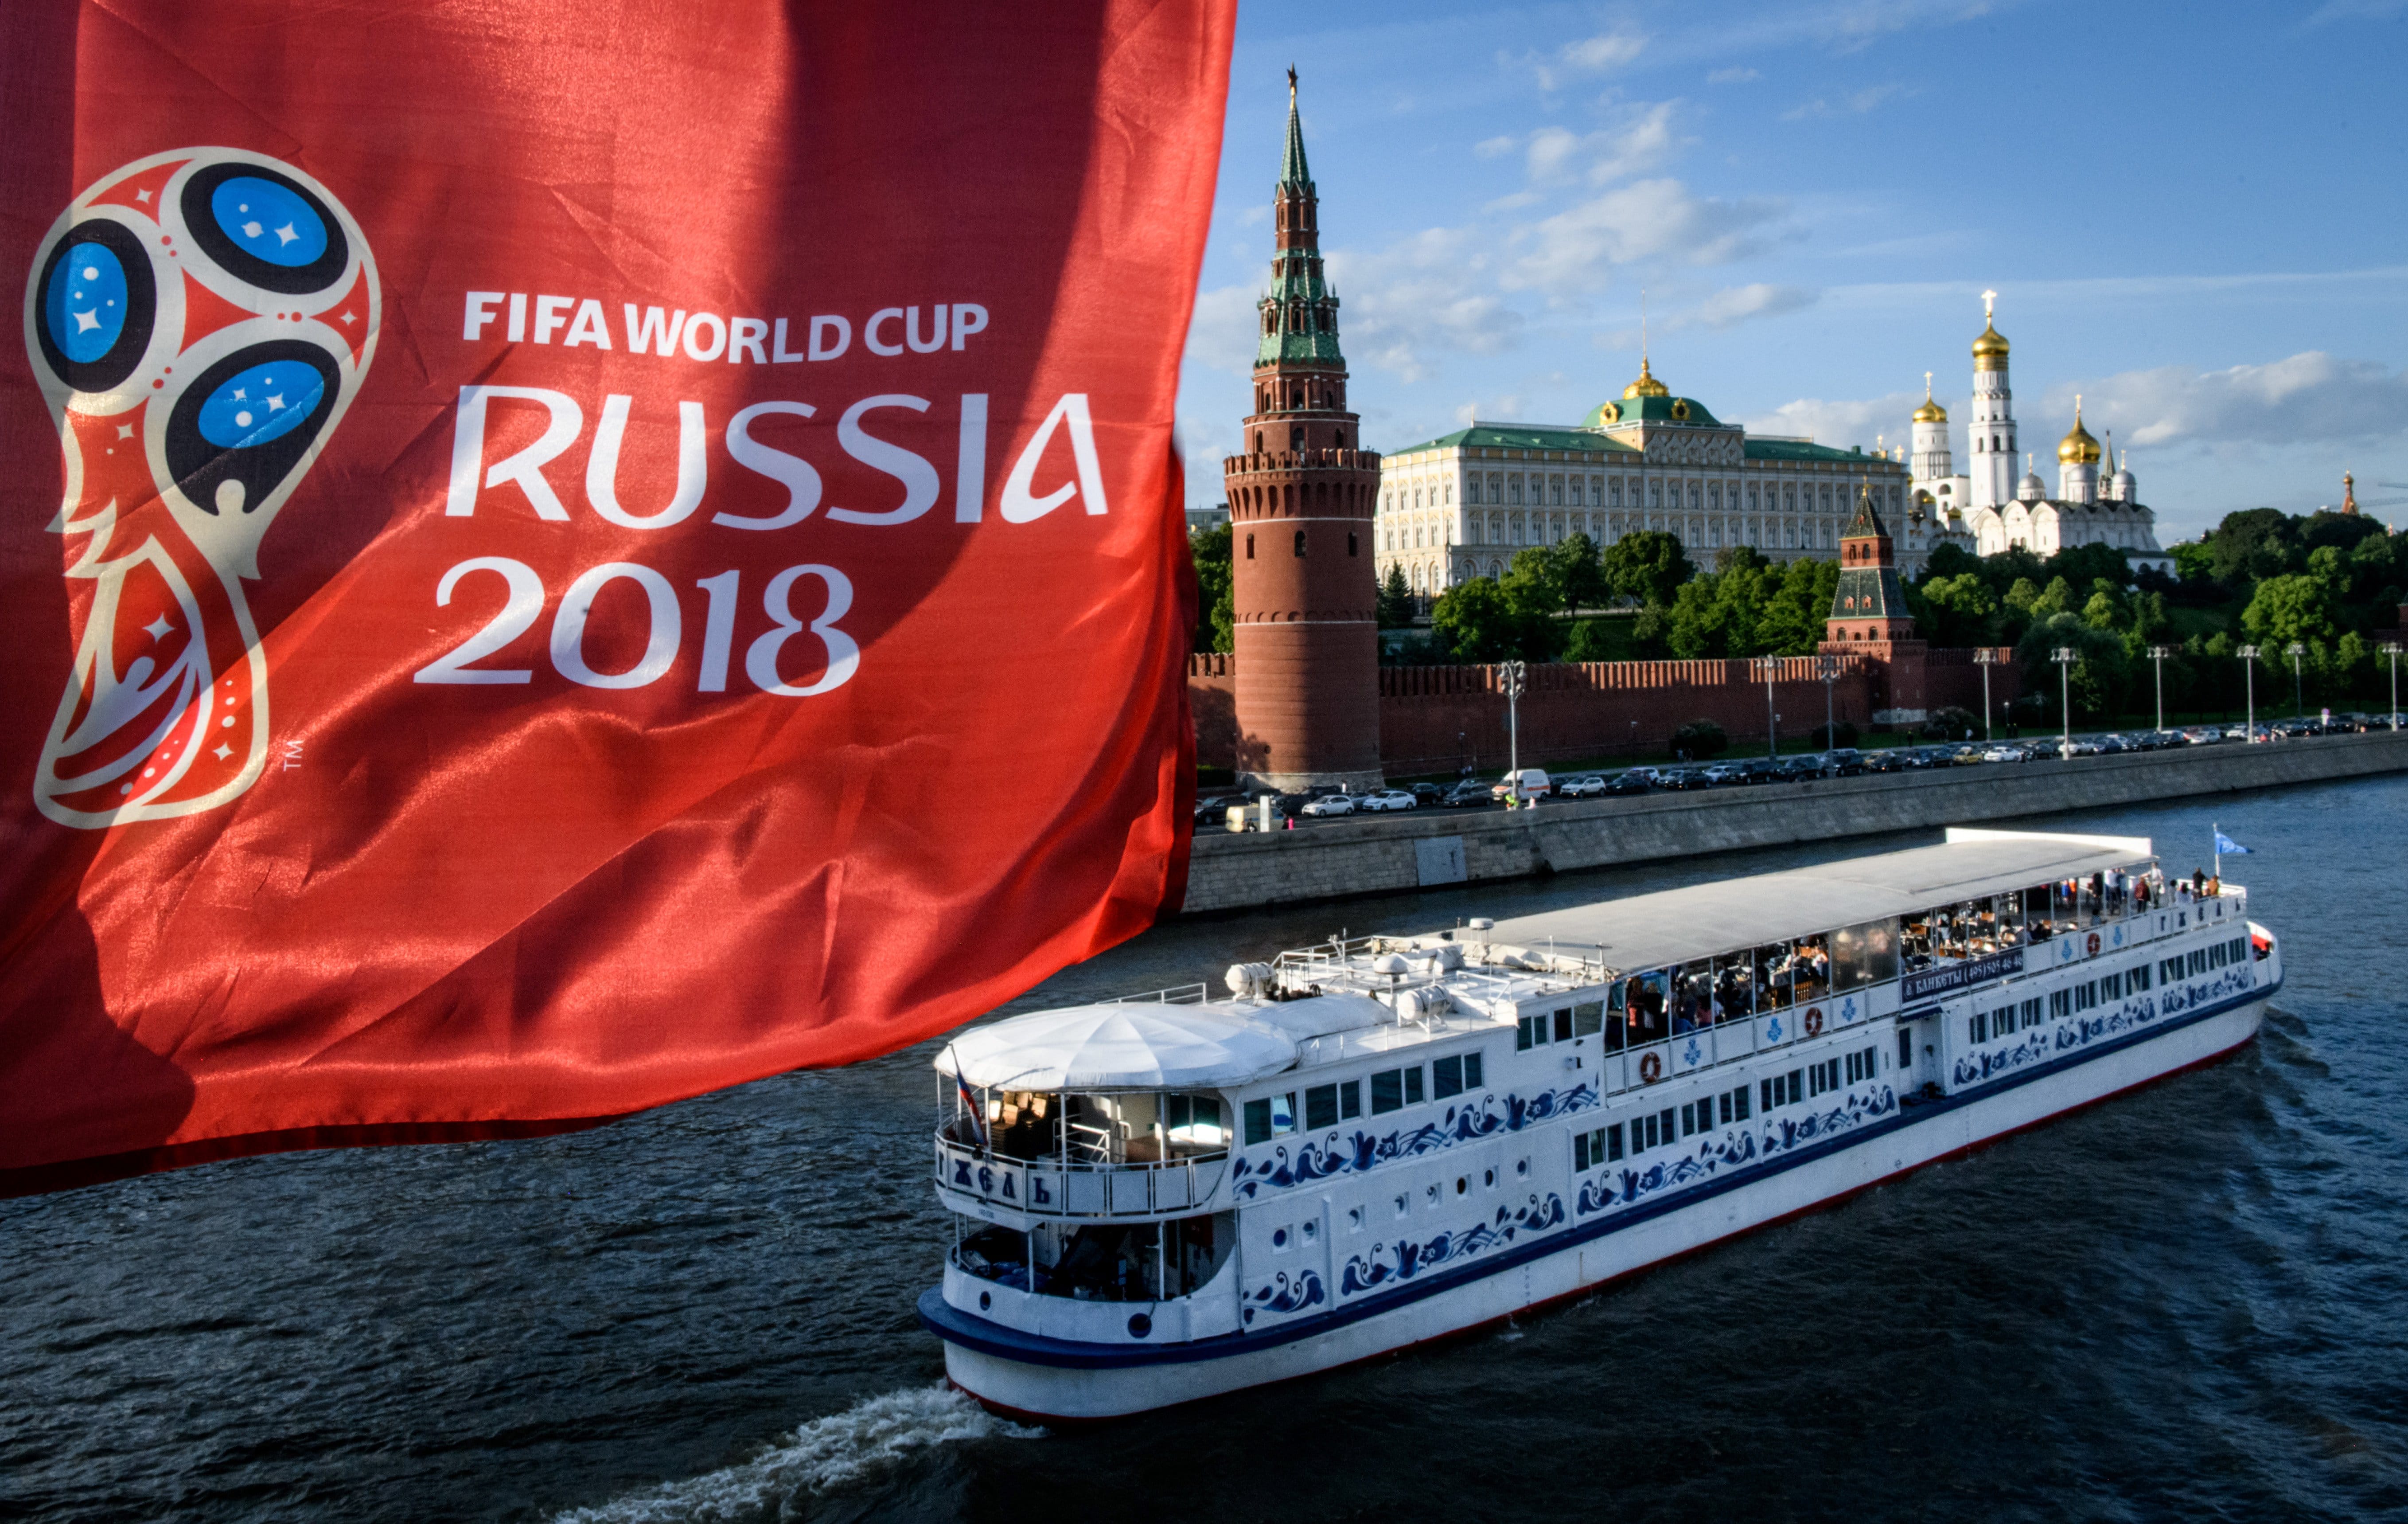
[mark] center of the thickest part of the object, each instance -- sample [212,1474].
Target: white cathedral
[2092,507]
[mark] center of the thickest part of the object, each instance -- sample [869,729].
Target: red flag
[563,555]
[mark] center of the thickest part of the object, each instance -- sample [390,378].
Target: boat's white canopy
[1123,1046]
[1675,926]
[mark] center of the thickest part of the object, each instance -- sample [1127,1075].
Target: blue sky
[2194,216]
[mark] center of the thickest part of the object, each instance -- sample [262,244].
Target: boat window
[1193,1123]
[1643,1008]
[2111,986]
[1772,976]
[1599,1145]
[1588,1018]
[1531,1034]
[2061,1002]
[1782,1089]
[1396,1087]
[1320,1107]
[1270,1116]
[2009,911]
[1810,968]
[2137,981]
[1734,1105]
[1693,1005]
[1865,954]
[1735,985]
[1454,1074]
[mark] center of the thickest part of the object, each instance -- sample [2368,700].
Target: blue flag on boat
[2226,847]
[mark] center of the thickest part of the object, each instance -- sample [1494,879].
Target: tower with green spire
[1302,495]
[1870,617]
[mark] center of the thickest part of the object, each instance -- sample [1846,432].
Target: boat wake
[826,1454]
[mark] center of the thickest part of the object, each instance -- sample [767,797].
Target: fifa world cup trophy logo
[198,321]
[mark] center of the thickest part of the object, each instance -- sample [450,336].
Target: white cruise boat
[1381,1140]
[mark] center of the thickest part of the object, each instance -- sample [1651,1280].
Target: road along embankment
[1430,847]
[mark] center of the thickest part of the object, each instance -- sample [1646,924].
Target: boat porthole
[1522,1167]
[986,1300]
[1139,1325]
[1310,1231]
[1488,1178]
[1461,1184]
[1278,1237]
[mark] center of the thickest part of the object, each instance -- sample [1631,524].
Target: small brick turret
[1869,618]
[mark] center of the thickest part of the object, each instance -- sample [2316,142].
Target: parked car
[2006,751]
[1636,780]
[1528,783]
[1891,760]
[1844,762]
[1581,787]
[1681,778]
[1797,769]
[1429,794]
[2203,735]
[1723,774]
[1330,804]
[1468,793]
[1213,808]
[1386,799]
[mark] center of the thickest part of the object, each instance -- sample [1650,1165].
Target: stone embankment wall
[1387,854]
[1435,719]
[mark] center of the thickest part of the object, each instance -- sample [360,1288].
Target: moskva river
[2184,1304]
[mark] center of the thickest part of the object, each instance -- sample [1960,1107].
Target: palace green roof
[1522,436]
[1801,449]
[1651,410]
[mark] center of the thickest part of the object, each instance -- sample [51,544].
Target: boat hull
[1052,1381]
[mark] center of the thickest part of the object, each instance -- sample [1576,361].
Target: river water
[2186,1304]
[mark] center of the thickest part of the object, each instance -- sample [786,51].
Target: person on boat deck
[2198,884]
[2214,885]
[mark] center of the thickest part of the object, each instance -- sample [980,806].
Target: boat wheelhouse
[1383,1140]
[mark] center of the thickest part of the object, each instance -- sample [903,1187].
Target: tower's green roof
[1293,169]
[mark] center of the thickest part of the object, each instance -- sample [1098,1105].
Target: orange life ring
[2094,945]
[1651,1067]
[1813,1021]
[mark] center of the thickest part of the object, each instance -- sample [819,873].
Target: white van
[1527,785]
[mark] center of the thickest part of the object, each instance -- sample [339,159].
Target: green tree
[1482,622]
[2253,545]
[2056,599]
[1962,606]
[2291,608]
[1798,611]
[1396,603]
[1648,566]
[1580,573]
[2100,674]
[1215,621]
[1719,614]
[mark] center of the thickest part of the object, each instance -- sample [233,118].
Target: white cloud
[1221,335]
[1638,143]
[1489,148]
[1843,423]
[1732,77]
[1654,220]
[1589,56]
[1734,304]
[2307,397]
[1855,104]
[1421,295]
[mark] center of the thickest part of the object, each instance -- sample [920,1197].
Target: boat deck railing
[1055,1186]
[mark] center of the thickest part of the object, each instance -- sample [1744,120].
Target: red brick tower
[1869,618]
[1302,498]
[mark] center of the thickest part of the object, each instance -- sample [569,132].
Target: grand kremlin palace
[1458,507]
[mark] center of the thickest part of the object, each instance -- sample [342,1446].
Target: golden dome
[1646,385]
[1990,350]
[2078,447]
[1930,413]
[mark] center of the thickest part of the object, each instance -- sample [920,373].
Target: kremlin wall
[1435,719]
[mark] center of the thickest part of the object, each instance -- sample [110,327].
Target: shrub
[1950,723]
[1699,739]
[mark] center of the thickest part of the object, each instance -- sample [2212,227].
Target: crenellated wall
[1435,719]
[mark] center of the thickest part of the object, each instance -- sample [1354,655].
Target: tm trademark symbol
[290,752]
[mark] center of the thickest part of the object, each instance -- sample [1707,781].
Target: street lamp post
[2063,656]
[2299,697]
[1771,721]
[1828,669]
[2391,649]
[2158,653]
[1985,657]
[2249,654]
[1513,674]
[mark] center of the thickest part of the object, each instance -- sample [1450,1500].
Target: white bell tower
[1990,426]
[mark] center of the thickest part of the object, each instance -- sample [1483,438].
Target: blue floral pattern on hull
[2062,1036]
[1334,1155]
[1389,1264]
[1613,1189]
[1284,1295]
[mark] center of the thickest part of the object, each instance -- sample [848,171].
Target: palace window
[1751,500]
[1555,491]
[1471,489]
[1613,492]
[1714,496]
[1655,495]
[1514,489]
